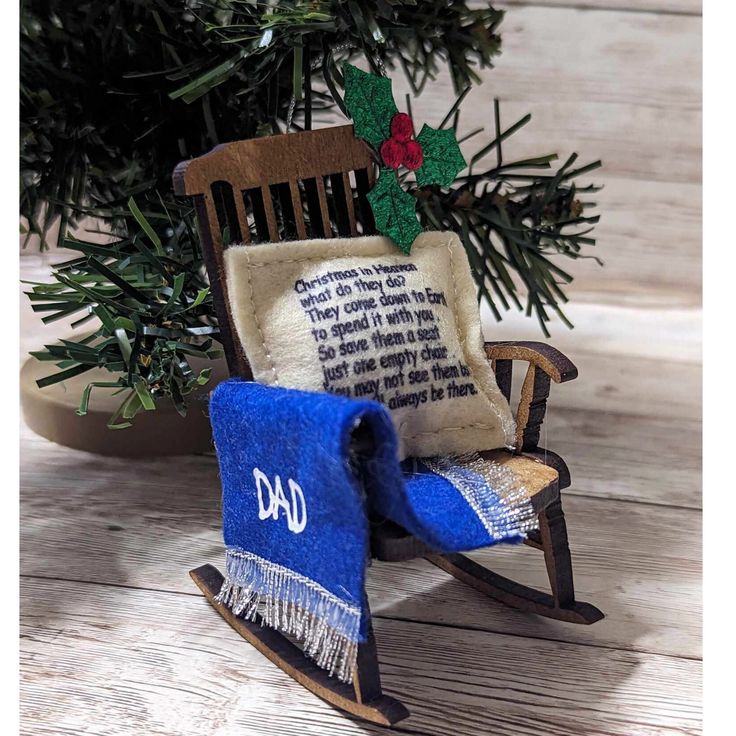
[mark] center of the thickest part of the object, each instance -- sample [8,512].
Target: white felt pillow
[356,317]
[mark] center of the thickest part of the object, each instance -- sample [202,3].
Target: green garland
[115,93]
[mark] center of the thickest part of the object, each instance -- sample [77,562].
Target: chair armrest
[545,364]
[554,363]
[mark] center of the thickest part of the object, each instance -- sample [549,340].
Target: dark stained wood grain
[296,204]
[249,163]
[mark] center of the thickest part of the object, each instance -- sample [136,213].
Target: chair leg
[553,531]
[367,677]
[552,540]
[364,698]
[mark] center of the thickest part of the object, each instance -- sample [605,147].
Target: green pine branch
[148,300]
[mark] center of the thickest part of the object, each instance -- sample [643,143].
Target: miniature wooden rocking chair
[296,186]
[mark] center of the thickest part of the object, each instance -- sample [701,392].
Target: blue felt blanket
[295,509]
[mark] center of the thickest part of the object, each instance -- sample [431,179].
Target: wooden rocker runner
[314,184]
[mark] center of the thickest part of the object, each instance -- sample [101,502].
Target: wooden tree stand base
[50,412]
[382,710]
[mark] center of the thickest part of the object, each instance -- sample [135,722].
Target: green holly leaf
[370,103]
[443,160]
[394,210]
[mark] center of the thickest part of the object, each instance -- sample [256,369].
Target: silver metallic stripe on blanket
[494,492]
[328,627]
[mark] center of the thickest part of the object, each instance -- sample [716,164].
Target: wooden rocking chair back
[314,185]
[287,187]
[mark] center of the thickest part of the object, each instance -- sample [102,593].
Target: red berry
[392,152]
[413,155]
[402,127]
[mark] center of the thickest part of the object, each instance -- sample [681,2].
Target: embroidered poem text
[378,333]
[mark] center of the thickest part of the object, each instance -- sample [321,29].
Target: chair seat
[392,543]
[535,476]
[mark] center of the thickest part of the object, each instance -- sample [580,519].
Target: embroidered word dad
[294,508]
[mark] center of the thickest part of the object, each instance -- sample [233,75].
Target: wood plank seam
[499,632]
[601,8]
[386,617]
[400,619]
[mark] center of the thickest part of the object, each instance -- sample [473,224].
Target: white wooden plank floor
[116,640]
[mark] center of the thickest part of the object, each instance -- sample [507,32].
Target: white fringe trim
[328,627]
[485,484]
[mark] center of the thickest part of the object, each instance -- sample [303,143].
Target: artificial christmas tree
[115,93]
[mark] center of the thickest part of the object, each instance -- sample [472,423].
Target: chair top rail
[278,159]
